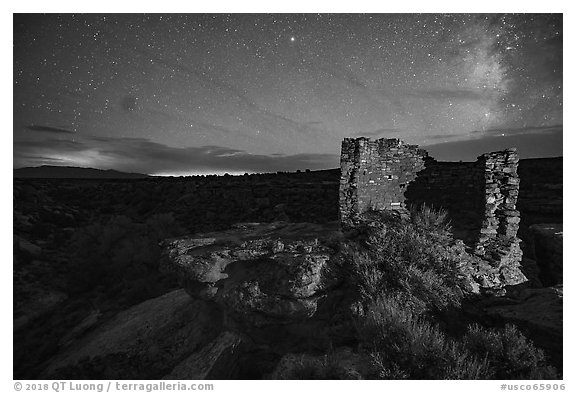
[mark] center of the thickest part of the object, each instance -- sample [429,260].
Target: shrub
[433,222]
[511,354]
[325,367]
[405,346]
[405,273]
[392,255]
[121,258]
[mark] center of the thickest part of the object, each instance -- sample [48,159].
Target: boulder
[273,282]
[144,342]
[281,284]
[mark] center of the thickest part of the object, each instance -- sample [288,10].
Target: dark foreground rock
[282,284]
[343,363]
[48,212]
[277,283]
[263,300]
[144,342]
[547,242]
[219,359]
[539,312]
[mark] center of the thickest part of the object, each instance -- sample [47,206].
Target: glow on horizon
[200,173]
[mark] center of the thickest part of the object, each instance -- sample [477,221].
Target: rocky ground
[93,299]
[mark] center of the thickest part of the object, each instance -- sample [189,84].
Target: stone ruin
[479,197]
[260,290]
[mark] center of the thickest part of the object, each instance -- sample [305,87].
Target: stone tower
[480,197]
[375,174]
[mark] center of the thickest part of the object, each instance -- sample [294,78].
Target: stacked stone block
[349,167]
[480,198]
[375,174]
[501,218]
[456,187]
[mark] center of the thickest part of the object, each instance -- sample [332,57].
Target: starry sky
[188,94]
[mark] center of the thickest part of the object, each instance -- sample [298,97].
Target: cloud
[41,160]
[271,120]
[442,137]
[344,75]
[450,94]
[54,130]
[521,130]
[208,80]
[531,142]
[143,155]
[379,132]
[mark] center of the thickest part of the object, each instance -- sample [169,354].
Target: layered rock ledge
[280,280]
[274,282]
[256,293]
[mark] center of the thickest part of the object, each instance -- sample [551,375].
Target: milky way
[201,93]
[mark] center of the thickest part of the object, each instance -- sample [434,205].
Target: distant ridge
[70,172]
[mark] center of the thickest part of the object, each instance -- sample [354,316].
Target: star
[156,78]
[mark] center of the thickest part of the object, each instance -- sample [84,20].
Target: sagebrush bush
[405,273]
[511,354]
[406,346]
[436,222]
[308,368]
[394,256]
[121,258]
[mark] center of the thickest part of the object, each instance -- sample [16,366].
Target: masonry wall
[480,197]
[501,187]
[375,174]
[456,187]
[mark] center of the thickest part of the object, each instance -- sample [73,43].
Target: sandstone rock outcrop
[282,285]
[271,281]
[144,342]
[219,359]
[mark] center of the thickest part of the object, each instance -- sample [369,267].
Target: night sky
[191,94]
